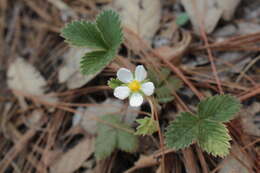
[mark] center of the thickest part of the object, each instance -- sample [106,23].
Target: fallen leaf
[247,28]
[83,116]
[175,52]
[230,164]
[229,7]
[250,119]
[141,16]
[24,77]
[74,158]
[204,9]
[70,72]
[209,11]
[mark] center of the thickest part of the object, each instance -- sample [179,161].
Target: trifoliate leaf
[147,126]
[182,19]
[113,83]
[174,83]
[105,35]
[220,108]
[164,92]
[206,128]
[214,138]
[113,134]
[164,84]
[183,131]
[95,61]
[126,141]
[109,24]
[104,145]
[156,78]
[81,33]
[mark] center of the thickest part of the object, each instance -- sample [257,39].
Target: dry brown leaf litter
[30,29]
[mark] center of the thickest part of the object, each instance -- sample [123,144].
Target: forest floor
[210,47]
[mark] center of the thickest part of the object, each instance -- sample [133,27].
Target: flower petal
[136,100]
[124,75]
[140,73]
[121,92]
[148,88]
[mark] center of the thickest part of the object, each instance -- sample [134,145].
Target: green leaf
[147,126]
[126,141]
[113,83]
[174,83]
[104,35]
[104,145]
[206,128]
[156,78]
[109,24]
[214,138]
[112,135]
[164,93]
[81,33]
[164,84]
[182,19]
[220,108]
[95,61]
[182,132]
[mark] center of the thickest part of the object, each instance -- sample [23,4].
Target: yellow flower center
[134,86]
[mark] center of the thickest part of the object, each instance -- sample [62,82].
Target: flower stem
[154,113]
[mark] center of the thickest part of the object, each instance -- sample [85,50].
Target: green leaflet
[82,33]
[147,126]
[164,84]
[220,108]
[109,24]
[182,132]
[214,138]
[112,137]
[104,36]
[95,61]
[164,93]
[206,128]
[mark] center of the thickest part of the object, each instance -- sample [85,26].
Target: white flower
[135,85]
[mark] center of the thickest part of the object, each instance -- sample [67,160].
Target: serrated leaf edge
[119,23]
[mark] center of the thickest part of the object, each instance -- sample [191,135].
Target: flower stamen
[134,86]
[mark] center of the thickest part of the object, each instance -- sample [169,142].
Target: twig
[210,56]
[250,94]
[242,74]
[155,116]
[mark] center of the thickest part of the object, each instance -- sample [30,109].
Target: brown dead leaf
[209,11]
[250,120]
[175,53]
[141,16]
[206,10]
[24,77]
[73,159]
[83,117]
[229,7]
[231,164]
